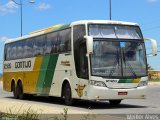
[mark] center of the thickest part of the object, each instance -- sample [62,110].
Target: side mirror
[154,46]
[89,44]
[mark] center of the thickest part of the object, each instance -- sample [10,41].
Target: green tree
[149,67]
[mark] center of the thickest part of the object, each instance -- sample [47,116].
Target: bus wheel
[68,95]
[115,102]
[20,91]
[13,88]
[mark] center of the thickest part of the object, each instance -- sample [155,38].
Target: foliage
[149,67]
[28,114]
[88,117]
[64,115]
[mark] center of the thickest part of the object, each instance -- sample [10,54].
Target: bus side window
[61,40]
[13,51]
[51,46]
[39,45]
[6,52]
[28,48]
[43,44]
[25,49]
[48,44]
[20,49]
[54,44]
[58,43]
[67,41]
[65,37]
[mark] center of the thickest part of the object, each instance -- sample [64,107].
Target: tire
[14,90]
[67,95]
[115,102]
[20,93]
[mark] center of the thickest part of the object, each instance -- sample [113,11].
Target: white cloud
[3,39]
[43,6]
[11,4]
[151,1]
[7,8]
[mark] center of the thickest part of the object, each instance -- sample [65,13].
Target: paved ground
[51,105]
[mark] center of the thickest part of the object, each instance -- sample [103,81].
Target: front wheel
[68,95]
[115,102]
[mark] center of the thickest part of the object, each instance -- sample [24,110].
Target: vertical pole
[21,18]
[110,9]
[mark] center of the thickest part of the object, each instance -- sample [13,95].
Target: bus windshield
[114,31]
[109,59]
[117,53]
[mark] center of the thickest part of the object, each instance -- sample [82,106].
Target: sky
[45,13]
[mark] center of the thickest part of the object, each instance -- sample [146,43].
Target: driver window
[83,61]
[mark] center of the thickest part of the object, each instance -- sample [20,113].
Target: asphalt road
[136,106]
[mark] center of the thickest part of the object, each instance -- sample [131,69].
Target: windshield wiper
[115,64]
[130,67]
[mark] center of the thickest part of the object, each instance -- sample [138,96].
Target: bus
[97,60]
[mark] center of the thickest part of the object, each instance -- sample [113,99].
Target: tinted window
[55,42]
[51,45]
[114,31]
[58,42]
[28,48]
[20,49]
[48,44]
[13,51]
[81,64]
[64,40]
[6,52]
[39,45]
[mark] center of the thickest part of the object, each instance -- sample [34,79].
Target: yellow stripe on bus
[137,80]
[32,77]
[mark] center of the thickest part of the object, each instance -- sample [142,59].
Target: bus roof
[103,22]
[61,26]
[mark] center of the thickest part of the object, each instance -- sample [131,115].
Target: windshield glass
[118,59]
[114,31]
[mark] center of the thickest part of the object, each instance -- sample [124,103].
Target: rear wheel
[67,94]
[115,102]
[20,93]
[14,90]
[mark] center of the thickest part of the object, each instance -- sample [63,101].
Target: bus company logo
[23,64]
[112,81]
[80,89]
[7,66]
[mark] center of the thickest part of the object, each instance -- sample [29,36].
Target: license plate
[122,93]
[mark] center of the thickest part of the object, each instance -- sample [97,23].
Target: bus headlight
[97,83]
[143,83]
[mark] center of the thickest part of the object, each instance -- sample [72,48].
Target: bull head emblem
[80,89]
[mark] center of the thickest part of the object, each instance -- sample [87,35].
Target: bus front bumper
[104,93]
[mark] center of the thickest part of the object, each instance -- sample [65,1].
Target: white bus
[89,60]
